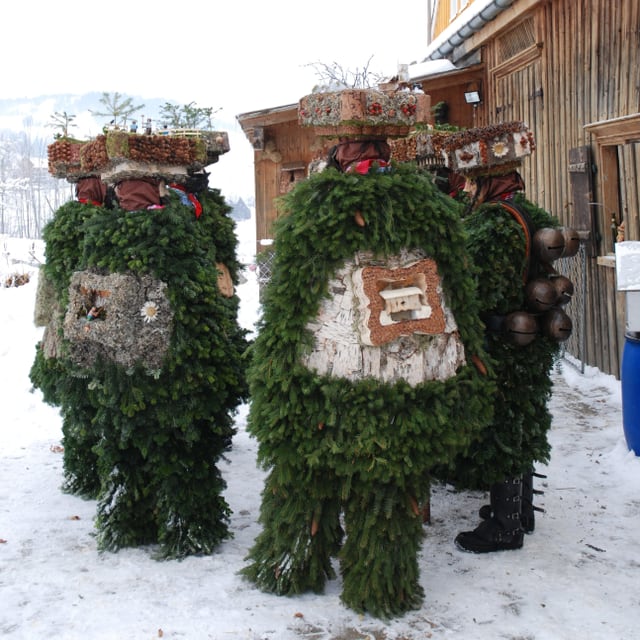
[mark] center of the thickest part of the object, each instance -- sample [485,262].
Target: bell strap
[524,219]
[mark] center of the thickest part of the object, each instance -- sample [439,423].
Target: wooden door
[519,96]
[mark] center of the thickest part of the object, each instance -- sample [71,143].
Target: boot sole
[514,546]
[492,550]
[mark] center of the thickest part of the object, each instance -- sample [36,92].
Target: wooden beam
[255,120]
[616,131]
[448,78]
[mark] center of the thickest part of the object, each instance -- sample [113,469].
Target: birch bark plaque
[388,320]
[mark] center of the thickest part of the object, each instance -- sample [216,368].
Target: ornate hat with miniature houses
[491,150]
[364,113]
[118,154]
[363,121]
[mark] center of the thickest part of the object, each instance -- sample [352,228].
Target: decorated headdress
[120,155]
[363,113]
[363,121]
[481,151]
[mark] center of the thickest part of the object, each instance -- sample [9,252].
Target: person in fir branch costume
[147,384]
[367,371]
[513,244]
[62,383]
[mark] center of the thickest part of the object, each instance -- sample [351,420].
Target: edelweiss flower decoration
[149,311]
[500,149]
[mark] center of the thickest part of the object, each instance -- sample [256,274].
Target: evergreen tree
[187,116]
[62,121]
[117,107]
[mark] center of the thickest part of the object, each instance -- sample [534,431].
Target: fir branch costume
[503,459]
[512,243]
[144,440]
[517,437]
[355,445]
[62,383]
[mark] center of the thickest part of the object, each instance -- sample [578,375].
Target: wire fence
[575,268]
[265,261]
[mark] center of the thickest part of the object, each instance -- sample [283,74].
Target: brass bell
[557,325]
[540,294]
[571,242]
[548,244]
[564,290]
[520,328]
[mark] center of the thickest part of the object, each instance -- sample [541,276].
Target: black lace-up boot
[503,529]
[528,519]
[528,508]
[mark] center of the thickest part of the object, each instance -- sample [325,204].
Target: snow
[576,576]
[429,68]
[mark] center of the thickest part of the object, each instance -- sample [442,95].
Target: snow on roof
[430,68]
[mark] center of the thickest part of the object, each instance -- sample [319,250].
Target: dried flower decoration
[500,149]
[149,311]
[489,150]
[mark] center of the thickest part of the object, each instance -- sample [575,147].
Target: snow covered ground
[577,576]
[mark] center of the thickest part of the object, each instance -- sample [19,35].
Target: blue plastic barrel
[630,386]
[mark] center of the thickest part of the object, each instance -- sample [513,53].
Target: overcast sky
[235,56]
[238,55]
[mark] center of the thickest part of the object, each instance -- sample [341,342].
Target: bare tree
[29,195]
[334,76]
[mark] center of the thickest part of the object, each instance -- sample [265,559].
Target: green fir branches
[362,448]
[146,443]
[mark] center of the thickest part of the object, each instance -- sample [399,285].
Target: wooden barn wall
[446,10]
[578,64]
[288,150]
[584,68]
[629,161]
[265,181]
[451,88]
